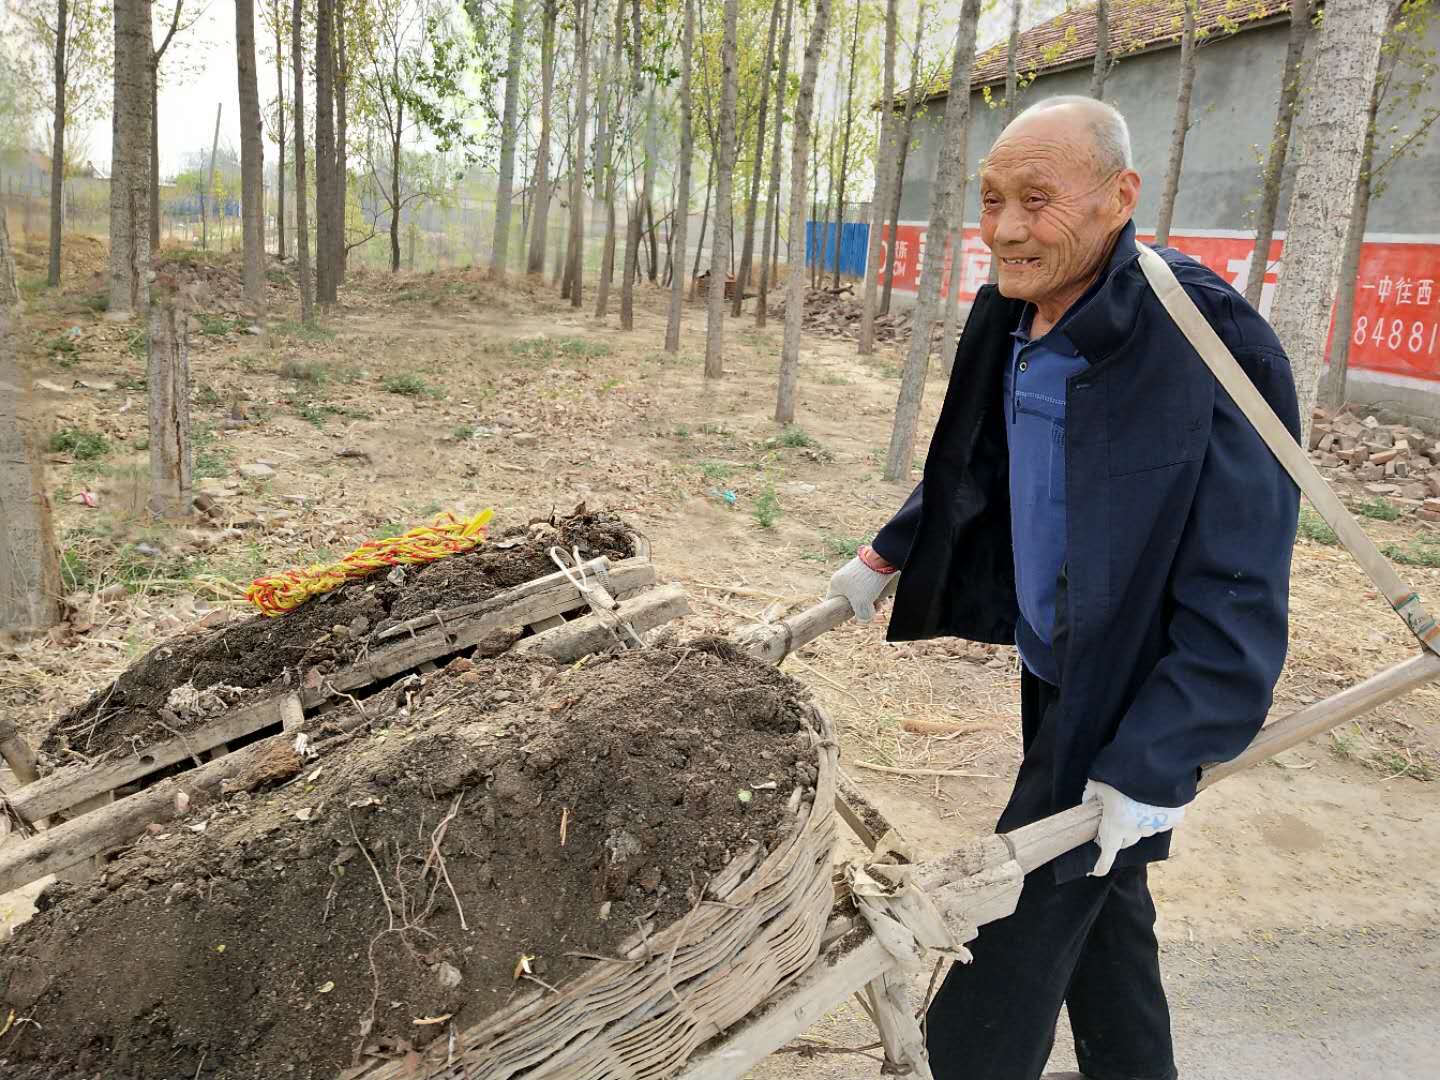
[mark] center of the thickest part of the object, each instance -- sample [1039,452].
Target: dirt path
[446,391]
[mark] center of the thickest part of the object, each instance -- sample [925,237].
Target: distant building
[1396,333]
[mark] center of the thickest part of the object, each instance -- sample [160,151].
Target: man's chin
[1017,286]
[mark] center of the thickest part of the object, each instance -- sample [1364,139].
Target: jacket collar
[1105,316]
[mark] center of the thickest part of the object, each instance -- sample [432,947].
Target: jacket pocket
[1151,427]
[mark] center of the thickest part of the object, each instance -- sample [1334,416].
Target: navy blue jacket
[1172,610]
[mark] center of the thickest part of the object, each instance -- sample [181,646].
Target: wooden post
[29,567]
[168,372]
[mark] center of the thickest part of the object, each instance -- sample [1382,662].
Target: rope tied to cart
[445,535]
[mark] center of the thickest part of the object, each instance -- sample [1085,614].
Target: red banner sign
[1396,329]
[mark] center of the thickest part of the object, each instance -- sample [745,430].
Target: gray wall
[1237,86]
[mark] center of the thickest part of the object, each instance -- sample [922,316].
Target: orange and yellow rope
[446,535]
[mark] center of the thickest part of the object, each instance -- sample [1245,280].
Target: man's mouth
[1022,261]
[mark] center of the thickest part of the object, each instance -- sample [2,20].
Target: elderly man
[1094,497]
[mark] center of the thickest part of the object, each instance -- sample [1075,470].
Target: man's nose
[1011,226]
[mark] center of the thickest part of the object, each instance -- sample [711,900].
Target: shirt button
[1024,365]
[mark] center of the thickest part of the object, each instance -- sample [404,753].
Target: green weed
[208,395]
[276,276]
[215,325]
[63,349]
[836,549]
[716,472]
[304,331]
[1414,553]
[1312,527]
[1379,509]
[304,372]
[767,509]
[80,444]
[796,438]
[408,384]
[549,348]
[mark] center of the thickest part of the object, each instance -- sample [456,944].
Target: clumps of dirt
[510,822]
[240,660]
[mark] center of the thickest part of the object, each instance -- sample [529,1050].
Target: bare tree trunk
[948,333]
[949,194]
[1012,91]
[30,585]
[252,161]
[1279,147]
[704,219]
[1331,139]
[845,147]
[724,208]
[9,283]
[325,152]
[610,83]
[155,57]
[771,242]
[509,129]
[130,160]
[342,123]
[394,191]
[747,250]
[167,374]
[1332,384]
[902,154]
[302,224]
[653,264]
[819,244]
[682,195]
[1182,125]
[210,182]
[539,227]
[1101,70]
[57,156]
[884,166]
[583,17]
[280,138]
[799,150]
[826,244]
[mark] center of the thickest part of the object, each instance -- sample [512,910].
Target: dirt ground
[1297,914]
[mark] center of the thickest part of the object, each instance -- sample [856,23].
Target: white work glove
[1124,822]
[860,585]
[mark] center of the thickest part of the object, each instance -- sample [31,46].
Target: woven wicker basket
[641,1018]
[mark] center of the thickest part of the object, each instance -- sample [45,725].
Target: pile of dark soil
[515,821]
[236,660]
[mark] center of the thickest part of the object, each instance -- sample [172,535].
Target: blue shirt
[1035,422]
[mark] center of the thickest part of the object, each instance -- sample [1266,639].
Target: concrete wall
[1237,86]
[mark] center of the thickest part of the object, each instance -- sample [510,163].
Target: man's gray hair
[1107,127]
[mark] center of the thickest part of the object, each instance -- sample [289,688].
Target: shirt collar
[1055,340]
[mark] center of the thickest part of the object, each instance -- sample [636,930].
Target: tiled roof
[1135,25]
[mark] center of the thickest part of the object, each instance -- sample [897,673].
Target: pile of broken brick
[1396,462]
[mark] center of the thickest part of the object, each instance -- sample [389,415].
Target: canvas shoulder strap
[1296,462]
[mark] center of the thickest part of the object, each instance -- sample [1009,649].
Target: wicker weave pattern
[641,1018]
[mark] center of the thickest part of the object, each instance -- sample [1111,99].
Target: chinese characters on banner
[1397,308]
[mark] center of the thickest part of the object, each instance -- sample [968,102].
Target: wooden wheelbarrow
[893,914]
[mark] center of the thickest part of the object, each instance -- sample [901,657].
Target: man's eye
[1034,201]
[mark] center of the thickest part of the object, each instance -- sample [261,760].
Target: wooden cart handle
[1042,841]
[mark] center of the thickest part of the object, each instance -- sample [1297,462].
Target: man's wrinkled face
[1048,211]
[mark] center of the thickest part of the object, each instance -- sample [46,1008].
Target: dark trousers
[1088,944]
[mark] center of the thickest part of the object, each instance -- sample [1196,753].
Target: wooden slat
[120,822]
[592,634]
[531,607]
[68,787]
[510,596]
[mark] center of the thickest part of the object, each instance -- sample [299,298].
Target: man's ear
[1127,193]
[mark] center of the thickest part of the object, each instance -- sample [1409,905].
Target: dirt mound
[562,810]
[237,661]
